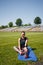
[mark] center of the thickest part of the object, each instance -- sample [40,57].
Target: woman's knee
[14,47]
[25,49]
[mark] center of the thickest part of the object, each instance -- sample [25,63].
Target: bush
[1,27]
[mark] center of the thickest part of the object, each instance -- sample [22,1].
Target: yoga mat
[32,56]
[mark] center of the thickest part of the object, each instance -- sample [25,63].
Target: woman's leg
[26,52]
[25,49]
[17,49]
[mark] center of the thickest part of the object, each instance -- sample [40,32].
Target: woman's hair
[23,32]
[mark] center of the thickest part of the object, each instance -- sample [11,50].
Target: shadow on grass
[34,49]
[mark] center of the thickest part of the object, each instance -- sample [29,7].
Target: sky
[27,10]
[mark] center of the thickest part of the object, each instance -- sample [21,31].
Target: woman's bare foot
[21,53]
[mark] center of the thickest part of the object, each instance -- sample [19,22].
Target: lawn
[8,56]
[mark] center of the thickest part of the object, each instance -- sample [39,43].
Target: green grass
[9,39]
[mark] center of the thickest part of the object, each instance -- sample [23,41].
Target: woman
[22,45]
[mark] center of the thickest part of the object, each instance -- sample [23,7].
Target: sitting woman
[22,45]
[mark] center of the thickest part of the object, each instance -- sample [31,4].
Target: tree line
[19,22]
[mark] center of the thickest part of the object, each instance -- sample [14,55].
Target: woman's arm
[19,43]
[26,42]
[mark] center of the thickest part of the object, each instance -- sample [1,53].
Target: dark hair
[23,32]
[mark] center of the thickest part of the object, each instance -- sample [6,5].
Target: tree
[18,22]
[37,20]
[2,26]
[10,24]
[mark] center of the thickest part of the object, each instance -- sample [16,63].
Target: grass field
[9,39]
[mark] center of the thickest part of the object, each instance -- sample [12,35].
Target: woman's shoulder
[26,38]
